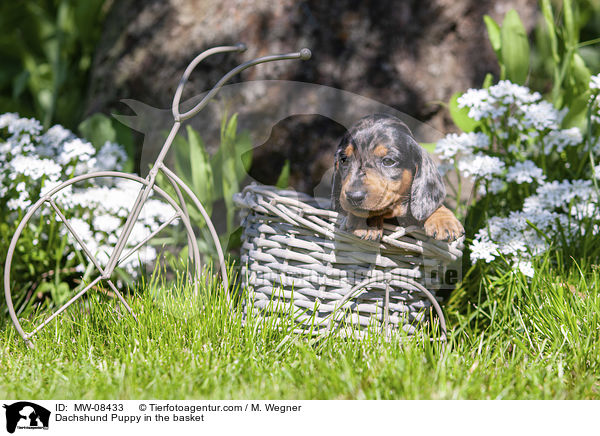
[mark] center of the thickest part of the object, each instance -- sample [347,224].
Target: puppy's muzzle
[355,198]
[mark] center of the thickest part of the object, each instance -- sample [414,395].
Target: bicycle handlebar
[303,54]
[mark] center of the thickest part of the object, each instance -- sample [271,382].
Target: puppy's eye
[388,162]
[343,159]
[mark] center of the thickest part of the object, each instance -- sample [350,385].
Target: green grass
[537,340]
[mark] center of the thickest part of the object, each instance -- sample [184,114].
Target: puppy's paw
[443,226]
[370,229]
[369,233]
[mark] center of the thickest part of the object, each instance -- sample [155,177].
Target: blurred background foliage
[47,48]
[584,26]
[565,52]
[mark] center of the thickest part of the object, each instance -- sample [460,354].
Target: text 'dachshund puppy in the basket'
[381,172]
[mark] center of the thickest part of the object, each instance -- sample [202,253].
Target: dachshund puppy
[381,172]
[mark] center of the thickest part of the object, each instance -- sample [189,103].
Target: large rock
[410,55]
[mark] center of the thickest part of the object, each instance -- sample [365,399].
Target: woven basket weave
[296,259]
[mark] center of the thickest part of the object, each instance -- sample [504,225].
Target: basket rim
[300,209]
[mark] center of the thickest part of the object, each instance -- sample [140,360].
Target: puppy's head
[381,170]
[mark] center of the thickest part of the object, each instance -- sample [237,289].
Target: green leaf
[549,19]
[460,116]
[515,48]
[243,155]
[20,83]
[202,176]
[181,148]
[493,30]
[571,33]
[98,129]
[235,239]
[284,177]
[580,74]
[487,82]
[429,146]
[577,115]
[124,137]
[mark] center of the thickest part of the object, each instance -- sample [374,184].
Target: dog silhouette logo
[26,415]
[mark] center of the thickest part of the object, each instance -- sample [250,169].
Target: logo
[26,415]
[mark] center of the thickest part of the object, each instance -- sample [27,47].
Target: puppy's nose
[355,197]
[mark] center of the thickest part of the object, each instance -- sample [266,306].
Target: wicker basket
[296,259]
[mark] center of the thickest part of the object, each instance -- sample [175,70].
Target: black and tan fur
[380,173]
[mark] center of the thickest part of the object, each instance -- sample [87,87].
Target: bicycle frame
[175,181]
[148,185]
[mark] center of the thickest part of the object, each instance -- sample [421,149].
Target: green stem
[590,42]
[561,74]
[458,189]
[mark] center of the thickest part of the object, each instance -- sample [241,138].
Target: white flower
[484,250]
[84,232]
[453,145]
[7,119]
[595,82]
[525,172]
[502,98]
[76,149]
[33,162]
[5,148]
[492,186]
[107,223]
[480,166]
[508,92]
[63,196]
[145,255]
[495,186]
[480,104]
[19,203]
[110,157]
[559,139]
[557,205]
[526,268]
[23,125]
[82,228]
[597,171]
[557,194]
[594,101]
[583,210]
[52,140]
[156,212]
[138,233]
[35,168]
[542,115]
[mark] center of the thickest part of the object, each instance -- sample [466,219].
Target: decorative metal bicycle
[148,187]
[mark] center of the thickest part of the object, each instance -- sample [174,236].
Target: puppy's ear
[428,190]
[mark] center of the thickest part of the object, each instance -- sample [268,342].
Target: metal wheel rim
[45,198]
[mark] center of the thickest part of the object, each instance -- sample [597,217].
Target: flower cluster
[516,150]
[595,91]
[36,162]
[557,207]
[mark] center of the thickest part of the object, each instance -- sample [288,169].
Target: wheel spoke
[150,236]
[76,236]
[116,291]
[89,258]
[67,304]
